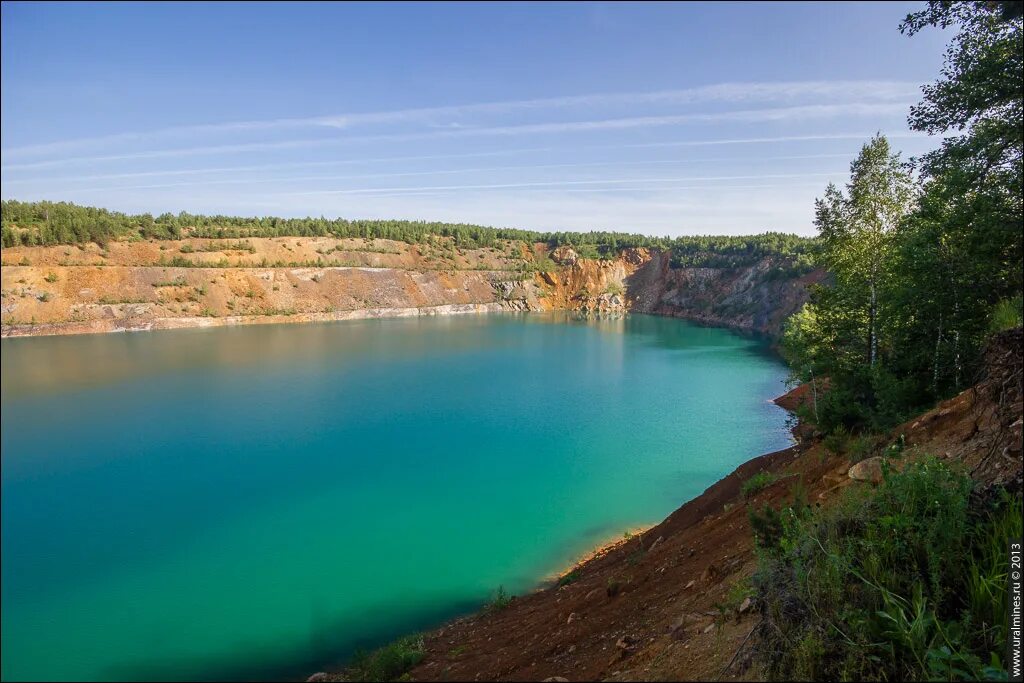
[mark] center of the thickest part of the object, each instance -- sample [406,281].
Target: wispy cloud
[402,174]
[798,113]
[451,115]
[560,183]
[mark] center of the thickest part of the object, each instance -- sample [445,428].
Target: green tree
[857,232]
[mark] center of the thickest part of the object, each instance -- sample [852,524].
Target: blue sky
[694,118]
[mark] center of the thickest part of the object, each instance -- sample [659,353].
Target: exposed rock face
[643,280]
[203,283]
[200,283]
[746,298]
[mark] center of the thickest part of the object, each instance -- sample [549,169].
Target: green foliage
[794,254]
[758,483]
[51,277]
[920,279]
[906,582]
[502,599]
[388,663]
[616,288]
[569,577]
[49,223]
[1007,314]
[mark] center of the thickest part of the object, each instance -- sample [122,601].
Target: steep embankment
[150,284]
[661,606]
[201,282]
[752,298]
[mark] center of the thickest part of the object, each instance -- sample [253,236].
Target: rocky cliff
[207,282]
[753,298]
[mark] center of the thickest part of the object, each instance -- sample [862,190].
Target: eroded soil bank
[141,285]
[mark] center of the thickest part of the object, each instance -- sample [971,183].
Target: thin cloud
[453,171]
[798,113]
[723,92]
[557,183]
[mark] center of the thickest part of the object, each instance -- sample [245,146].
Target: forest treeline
[923,268]
[52,223]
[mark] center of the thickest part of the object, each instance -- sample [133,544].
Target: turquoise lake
[259,501]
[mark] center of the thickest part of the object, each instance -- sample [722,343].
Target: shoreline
[689,513]
[113,326]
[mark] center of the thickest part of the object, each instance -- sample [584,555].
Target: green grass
[502,599]
[757,483]
[903,582]
[388,663]
[1007,314]
[51,277]
[176,282]
[569,577]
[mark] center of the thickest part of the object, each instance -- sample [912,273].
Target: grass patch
[757,483]
[388,663]
[176,282]
[502,599]
[903,582]
[569,578]
[1007,314]
[51,277]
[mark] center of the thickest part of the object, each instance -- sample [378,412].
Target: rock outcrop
[204,282]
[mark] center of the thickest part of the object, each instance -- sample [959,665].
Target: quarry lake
[259,501]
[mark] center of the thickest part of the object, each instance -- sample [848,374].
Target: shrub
[859,448]
[906,582]
[757,483]
[51,277]
[502,599]
[389,662]
[1007,314]
[836,440]
[615,288]
[569,577]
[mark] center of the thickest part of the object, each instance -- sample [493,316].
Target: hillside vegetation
[62,223]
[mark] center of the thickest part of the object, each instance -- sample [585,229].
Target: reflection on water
[256,502]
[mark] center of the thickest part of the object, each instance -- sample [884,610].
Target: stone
[689,585]
[745,605]
[869,470]
[572,617]
[555,679]
[318,677]
[565,256]
[626,643]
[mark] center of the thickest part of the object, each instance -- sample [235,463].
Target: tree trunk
[935,368]
[872,336]
[814,395]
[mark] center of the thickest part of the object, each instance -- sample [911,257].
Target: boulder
[565,256]
[869,470]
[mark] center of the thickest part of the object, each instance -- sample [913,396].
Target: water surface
[259,501]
